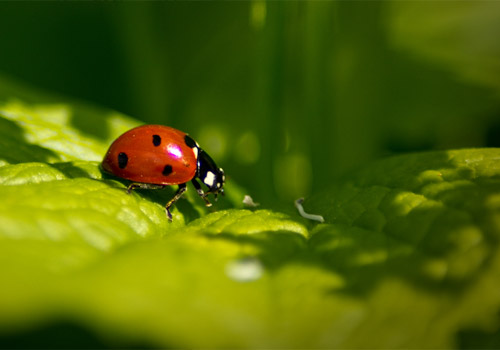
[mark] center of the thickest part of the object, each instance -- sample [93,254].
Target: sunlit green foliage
[288,97]
[407,257]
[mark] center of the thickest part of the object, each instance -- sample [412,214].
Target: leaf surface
[408,255]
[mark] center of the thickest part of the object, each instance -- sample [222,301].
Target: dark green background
[286,95]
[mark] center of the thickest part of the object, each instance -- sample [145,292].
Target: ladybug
[154,156]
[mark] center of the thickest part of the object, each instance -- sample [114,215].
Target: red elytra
[152,154]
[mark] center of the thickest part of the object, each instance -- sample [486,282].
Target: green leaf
[407,257]
[44,132]
[416,237]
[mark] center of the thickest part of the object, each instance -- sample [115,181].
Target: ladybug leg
[200,192]
[143,186]
[178,194]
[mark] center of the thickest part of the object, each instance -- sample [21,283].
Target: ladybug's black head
[208,172]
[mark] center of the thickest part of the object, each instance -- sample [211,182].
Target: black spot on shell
[189,141]
[156,140]
[167,170]
[122,160]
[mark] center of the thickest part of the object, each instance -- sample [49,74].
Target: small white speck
[247,269]
[300,208]
[248,201]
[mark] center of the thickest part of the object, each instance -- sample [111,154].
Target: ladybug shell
[153,154]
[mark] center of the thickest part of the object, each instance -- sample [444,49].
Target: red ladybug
[153,156]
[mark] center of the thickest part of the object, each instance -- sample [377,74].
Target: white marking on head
[223,178]
[195,150]
[209,179]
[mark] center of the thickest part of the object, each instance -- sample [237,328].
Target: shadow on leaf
[14,148]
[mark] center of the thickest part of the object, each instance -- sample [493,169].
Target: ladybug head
[208,172]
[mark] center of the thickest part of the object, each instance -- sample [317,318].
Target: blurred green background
[286,96]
